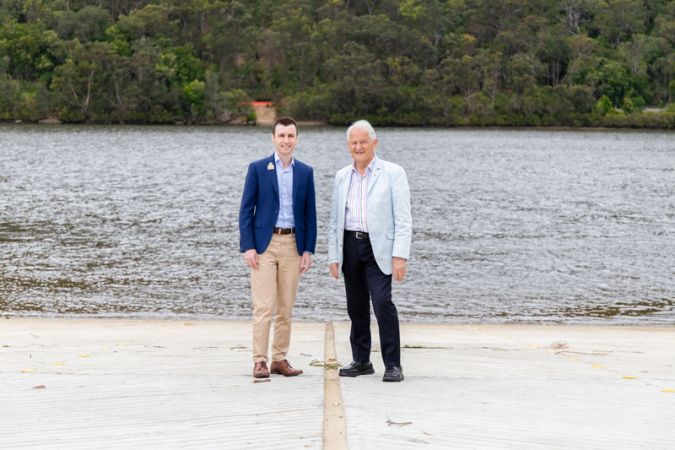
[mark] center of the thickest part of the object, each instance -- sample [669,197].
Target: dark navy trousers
[364,281]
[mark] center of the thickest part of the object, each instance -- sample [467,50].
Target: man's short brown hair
[285,121]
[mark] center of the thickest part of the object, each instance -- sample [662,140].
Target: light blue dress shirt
[285,179]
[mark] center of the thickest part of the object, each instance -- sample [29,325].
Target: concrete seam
[334,422]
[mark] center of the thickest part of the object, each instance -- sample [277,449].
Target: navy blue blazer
[260,206]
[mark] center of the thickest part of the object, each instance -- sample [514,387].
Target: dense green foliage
[410,62]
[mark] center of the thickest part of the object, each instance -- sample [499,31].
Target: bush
[603,106]
[639,120]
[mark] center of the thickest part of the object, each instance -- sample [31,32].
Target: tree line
[394,62]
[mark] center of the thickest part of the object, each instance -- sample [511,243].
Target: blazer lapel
[344,189]
[296,185]
[272,175]
[377,168]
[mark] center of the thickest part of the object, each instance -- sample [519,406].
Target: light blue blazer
[387,214]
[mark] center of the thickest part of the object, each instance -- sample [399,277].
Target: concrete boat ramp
[161,384]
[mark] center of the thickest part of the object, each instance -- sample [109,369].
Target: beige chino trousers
[274,285]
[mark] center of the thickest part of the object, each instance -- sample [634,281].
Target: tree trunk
[85,104]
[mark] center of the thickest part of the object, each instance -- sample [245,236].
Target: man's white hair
[364,125]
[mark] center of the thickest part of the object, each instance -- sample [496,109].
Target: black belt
[278,230]
[358,234]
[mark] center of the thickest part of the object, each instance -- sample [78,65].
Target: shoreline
[322,124]
[581,322]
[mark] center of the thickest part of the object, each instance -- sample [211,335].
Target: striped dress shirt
[355,213]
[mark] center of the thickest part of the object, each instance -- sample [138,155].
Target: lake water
[509,225]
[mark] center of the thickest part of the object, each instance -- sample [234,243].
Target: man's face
[361,146]
[285,139]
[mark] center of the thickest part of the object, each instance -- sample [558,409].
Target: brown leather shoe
[283,368]
[260,370]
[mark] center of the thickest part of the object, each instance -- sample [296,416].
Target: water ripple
[509,225]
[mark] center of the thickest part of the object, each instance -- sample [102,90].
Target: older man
[369,238]
[277,225]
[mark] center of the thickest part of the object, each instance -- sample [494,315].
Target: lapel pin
[270,166]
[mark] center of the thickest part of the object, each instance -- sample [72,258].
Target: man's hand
[398,265]
[305,262]
[333,267]
[251,258]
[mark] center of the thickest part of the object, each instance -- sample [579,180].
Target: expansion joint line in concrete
[334,423]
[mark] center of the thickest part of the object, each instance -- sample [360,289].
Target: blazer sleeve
[247,210]
[402,214]
[310,208]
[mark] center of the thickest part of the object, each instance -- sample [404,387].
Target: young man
[277,226]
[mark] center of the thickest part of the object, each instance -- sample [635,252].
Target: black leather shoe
[393,374]
[357,368]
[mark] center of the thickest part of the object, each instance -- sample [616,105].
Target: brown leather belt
[284,230]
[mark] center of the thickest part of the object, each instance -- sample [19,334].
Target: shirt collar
[370,166]
[277,160]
